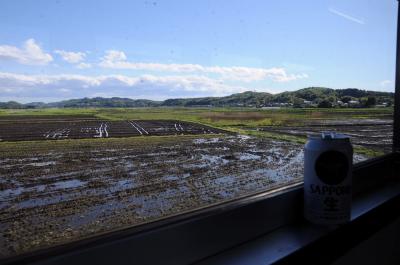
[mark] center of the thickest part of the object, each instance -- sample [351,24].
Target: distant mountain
[100,102]
[306,97]
[235,100]
[12,105]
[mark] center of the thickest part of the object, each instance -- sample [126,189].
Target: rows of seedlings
[53,129]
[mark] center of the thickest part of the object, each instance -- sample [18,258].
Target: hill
[100,102]
[306,97]
[235,100]
[327,97]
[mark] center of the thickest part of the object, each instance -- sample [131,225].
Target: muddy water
[64,196]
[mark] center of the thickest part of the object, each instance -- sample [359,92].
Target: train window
[115,114]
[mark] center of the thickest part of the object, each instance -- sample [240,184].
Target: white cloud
[113,55]
[64,90]
[84,66]
[346,16]
[146,86]
[71,57]
[30,53]
[249,74]
[386,83]
[118,60]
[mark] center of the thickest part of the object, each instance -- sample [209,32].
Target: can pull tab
[328,135]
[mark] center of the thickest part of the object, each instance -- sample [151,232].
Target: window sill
[289,243]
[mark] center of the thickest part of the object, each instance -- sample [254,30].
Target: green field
[220,117]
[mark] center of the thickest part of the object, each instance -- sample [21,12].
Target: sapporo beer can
[328,161]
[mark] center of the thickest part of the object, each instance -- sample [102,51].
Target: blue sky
[52,50]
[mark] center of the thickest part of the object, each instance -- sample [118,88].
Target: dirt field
[78,128]
[372,133]
[56,193]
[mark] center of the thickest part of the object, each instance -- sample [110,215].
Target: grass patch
[370,153]
[48,112]
[270,135]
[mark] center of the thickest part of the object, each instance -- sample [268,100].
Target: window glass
[118,113]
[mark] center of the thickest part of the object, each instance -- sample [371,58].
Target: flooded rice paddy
[53,192]
[375,134]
